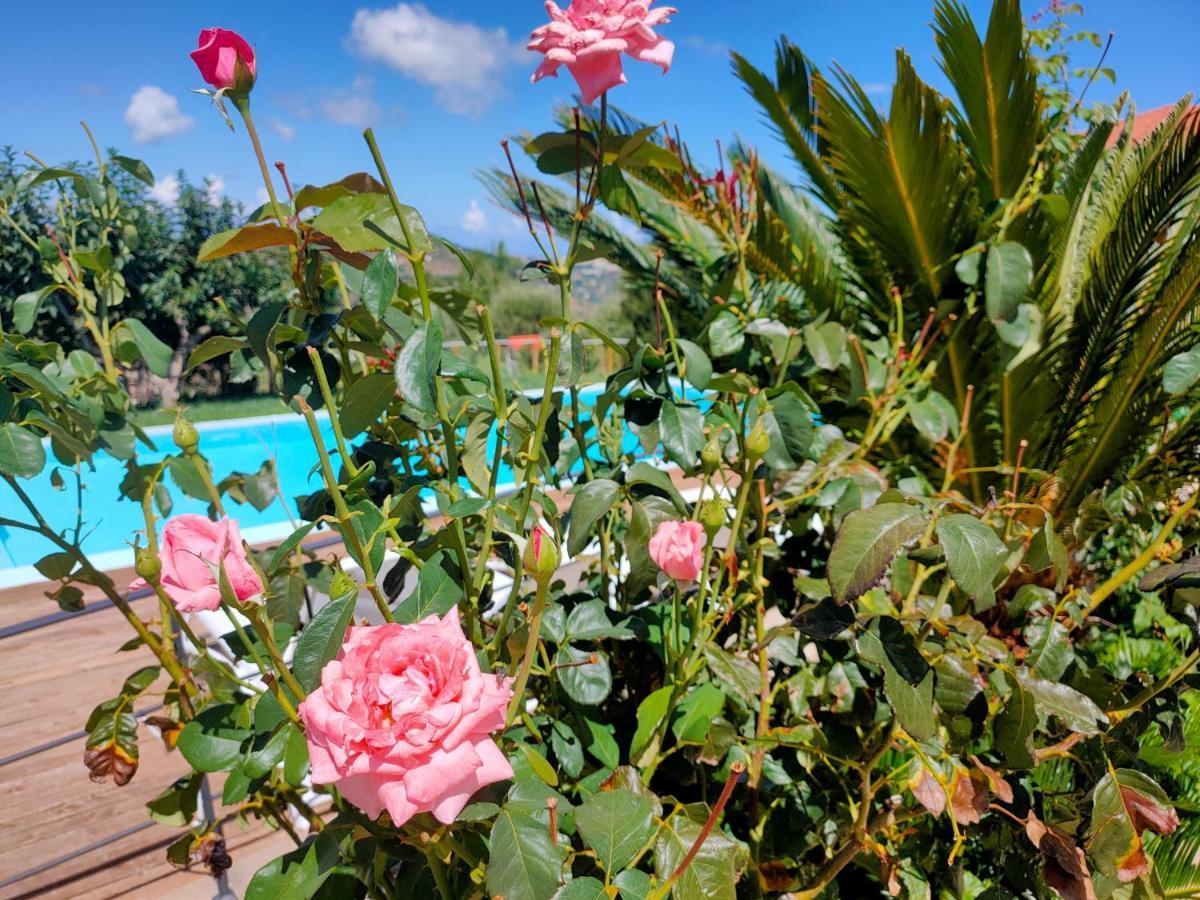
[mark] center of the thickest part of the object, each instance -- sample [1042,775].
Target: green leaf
[26,307]
[585,681]
[589,505]
[697,367]
[322,638]
[1050,648]
[616,824]
[586,888]
[298,873]
[212,741]
[913,704]
[1075,710]
[1181,372]
[650,713]
[974,555]
[539,765]
[695,713]
[633,884]
[592,620]
[246,239]
[682,432]
[826,344]
[437,592]
[323,195]
[379,284]
[156,354]
[934,416]
[176,806]
[134,167]
[21,451]
[866,544]
[417,368]
[567,749]
[348,221]
[524,862]
[213,348]
[602,745]
[365,401]
[1125,804]
[642,472]
[714,871]
[1013,727]
[1009,275]
[789,426]
[726,335]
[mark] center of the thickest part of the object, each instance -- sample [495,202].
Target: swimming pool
[232,445]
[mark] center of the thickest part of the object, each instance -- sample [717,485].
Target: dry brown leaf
[996,782]
[1066,868]
[928,792]
[969,796]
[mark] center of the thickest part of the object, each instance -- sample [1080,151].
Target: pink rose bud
[678,549]
[402,720]
[225,60]
[192,552]
[541,555]
[589,36]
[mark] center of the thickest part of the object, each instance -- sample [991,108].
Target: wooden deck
[50,679]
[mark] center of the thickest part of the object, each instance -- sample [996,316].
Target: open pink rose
[402,720]
[589,36]
[678,549]
[190,548]
[217,58]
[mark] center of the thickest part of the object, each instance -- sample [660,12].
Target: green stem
[531,642]
[344,516]
[331,408]
[242,104]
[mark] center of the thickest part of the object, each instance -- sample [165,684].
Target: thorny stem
[531,642]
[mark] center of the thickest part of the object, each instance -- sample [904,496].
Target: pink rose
[678,549]
[402,720]
[217,58]
[590,36]
[190,548]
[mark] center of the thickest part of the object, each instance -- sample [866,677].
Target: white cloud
[153,114]
[462,61]
[357,110]
[474,219]
[703,45]
[877,87]
[166,190]
[283,129]
[214,187]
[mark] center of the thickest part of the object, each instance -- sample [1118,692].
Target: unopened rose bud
[710,455]
[757,441]
[712,516]
[146,563]
[541,555]
[225,60]
[341,584]
[187,438]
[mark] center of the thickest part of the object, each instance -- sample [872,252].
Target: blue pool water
[111,521]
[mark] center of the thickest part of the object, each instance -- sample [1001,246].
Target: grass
[211,410]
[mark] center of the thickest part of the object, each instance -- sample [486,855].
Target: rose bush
[764,614]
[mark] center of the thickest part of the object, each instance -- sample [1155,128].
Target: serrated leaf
[866,544]
[974,555]
[524,862]
[616,824]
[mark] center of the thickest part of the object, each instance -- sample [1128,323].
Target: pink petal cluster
[678,549]
[217,56]
[402,720]
[191,548]
[589,36]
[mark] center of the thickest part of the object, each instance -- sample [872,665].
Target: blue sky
[441,97]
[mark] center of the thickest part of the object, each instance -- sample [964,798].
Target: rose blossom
[589,36]
[190,548]
[678,549]
[402,720]
[217,56]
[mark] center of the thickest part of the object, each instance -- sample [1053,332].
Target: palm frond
[1000,115]
[1177,860]
[789,106]
[908,190]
